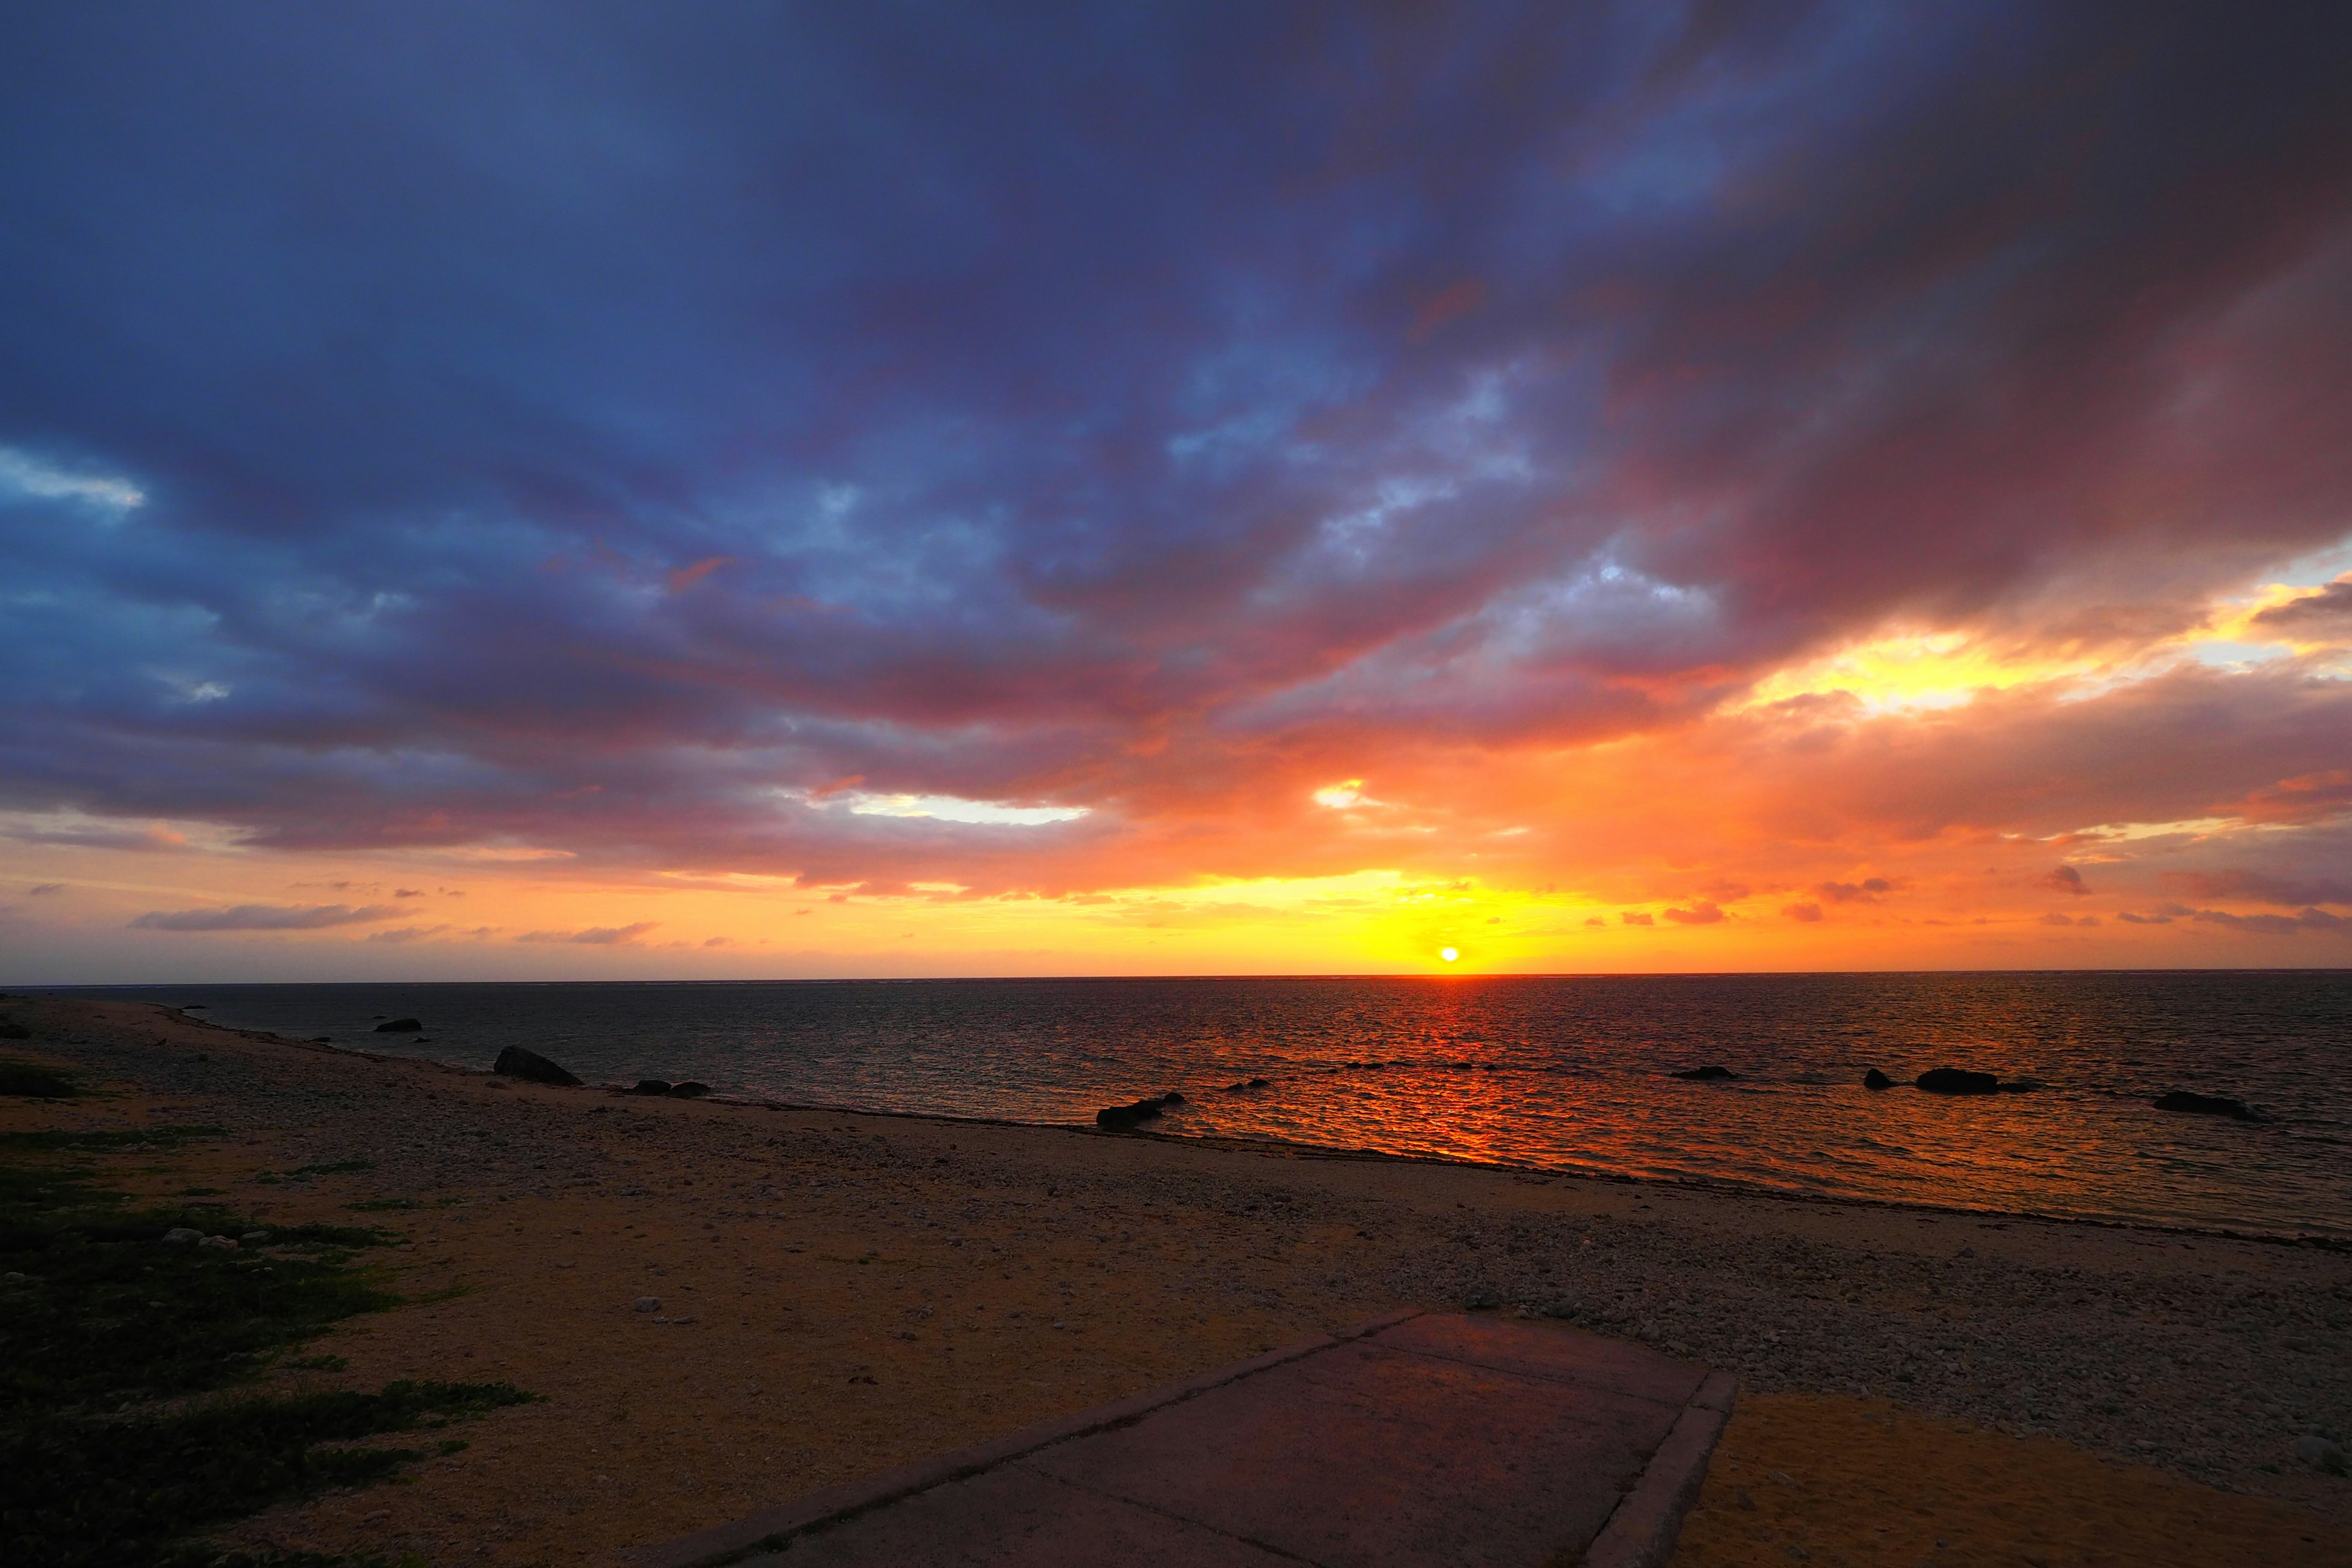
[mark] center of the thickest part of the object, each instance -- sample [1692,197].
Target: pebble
[648,1303]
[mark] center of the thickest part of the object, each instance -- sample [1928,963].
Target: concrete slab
[1367,1456]
[1014,1516]
[1410,1441]
[1551,1350]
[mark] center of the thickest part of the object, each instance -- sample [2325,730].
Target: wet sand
[840,1293]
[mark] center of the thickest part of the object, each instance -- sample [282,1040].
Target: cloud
[1702,912]
[1804,913]
[102,836]
[1636,918]
[2065,879]
[44,889]
[2327,613]
[262,917]
[2054,919]
[407,933]
[597,936]
[1089,525]
[2275,925]
[2271,887]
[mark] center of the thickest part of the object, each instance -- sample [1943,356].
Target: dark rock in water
[1707,1074]
[651,1086]
[401,1027]
[516,1062]
[1958,1081]
[1247,1083]
[2206,1105]
[1171,1098]
[689,1089]
[1874,1078]
[193,1008]
[2019,1085]
[1128,1118]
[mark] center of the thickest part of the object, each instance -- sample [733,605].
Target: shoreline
[1723,1185]
[840,1292]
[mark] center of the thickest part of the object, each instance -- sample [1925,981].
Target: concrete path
[1461,1441]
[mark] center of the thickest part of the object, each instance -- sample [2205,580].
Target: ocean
[1546,1073]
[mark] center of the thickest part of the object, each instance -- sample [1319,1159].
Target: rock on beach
[1956,1080]
[2183,1100]
[532,1067]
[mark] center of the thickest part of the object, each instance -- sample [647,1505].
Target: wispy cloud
[594,936]
[263,917]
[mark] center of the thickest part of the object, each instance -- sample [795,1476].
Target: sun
[1447,953]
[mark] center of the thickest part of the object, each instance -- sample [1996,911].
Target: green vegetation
[54,1141]
[89,1493]
[101,1316]
[35,1081]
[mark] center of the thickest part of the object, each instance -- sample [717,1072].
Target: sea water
[1549,1073]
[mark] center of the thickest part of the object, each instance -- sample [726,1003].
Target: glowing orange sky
[772,492]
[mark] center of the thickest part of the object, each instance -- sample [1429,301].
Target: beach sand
[840,1293]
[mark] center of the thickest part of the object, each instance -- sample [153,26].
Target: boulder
[401,1027]
[1874,1078]
[1128,1118]
[181,1236]
[1171,1098]
[652,1086]
[1248,1084]
[530,1066]
[2182,1100]
[1707,1074]
[1956,1080]
[689,1089]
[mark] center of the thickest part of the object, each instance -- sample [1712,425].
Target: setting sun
[1447,953]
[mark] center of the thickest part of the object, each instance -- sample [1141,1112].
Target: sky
[720,490]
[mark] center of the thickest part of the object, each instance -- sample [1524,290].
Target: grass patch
[34,1081]
[109,1314]
[334,1168]
[77,1494]
[381,1205]
[105,1318]
[54,1141]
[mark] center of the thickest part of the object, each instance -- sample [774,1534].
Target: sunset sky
[717,490]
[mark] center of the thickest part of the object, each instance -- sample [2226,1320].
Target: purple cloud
[263,917]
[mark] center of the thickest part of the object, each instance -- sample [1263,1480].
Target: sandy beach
[832,1294]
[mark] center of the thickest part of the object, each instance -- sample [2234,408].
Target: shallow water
[1553,1073]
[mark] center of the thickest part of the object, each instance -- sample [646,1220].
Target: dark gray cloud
[574,424]
[596,936]
[263,917]
[2326,614]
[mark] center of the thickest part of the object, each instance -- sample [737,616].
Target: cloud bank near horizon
[1639,450]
